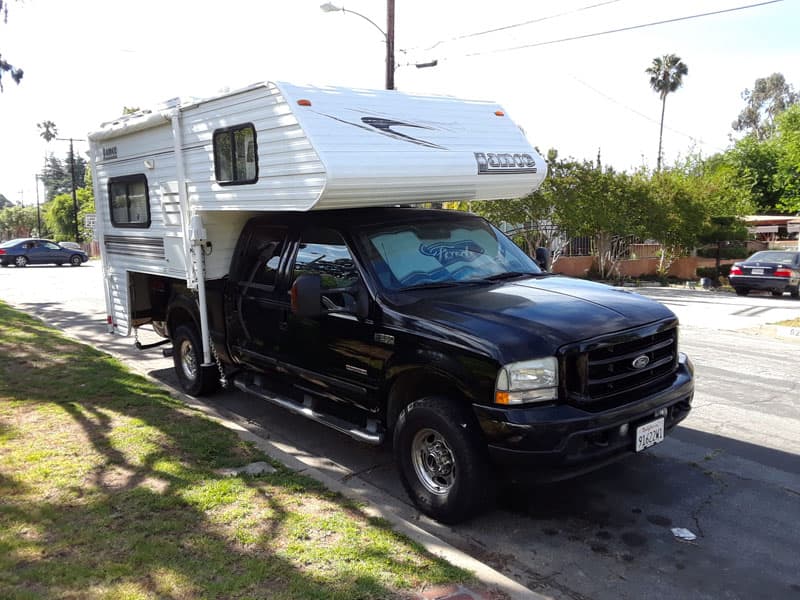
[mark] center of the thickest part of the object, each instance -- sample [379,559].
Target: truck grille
[611,371]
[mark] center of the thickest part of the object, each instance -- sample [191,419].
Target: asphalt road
[730,473]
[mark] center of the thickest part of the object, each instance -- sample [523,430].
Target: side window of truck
[236,155]
[129,201]
[323,252]
[263,255]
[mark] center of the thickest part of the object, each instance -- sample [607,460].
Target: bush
[729,252]
[711,272]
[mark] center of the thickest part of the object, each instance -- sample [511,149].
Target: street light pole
[388,35]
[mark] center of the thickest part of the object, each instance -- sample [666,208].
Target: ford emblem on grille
[640,362]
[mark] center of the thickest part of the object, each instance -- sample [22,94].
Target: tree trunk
[661,131]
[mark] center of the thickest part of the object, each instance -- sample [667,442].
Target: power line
[619,30]
[634,111]
[522,24]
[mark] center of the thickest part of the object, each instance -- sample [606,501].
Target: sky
[85,60]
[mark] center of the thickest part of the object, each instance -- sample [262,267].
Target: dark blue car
[22,252]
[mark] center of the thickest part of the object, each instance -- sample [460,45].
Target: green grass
[108,490]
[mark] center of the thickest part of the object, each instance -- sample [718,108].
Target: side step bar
[358,434]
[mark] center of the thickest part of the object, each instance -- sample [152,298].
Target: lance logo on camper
[491,163]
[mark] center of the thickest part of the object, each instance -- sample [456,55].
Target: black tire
[187,355]
[4,265]
[776,293]
[795,291]
[741,291]
[59,264]
[441,456]
[21,261]
[75,260]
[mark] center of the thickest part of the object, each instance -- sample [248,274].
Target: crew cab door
[334,355]
[256,307]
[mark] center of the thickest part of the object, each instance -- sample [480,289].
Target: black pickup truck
[432,329]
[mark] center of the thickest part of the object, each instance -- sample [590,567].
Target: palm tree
[666,75]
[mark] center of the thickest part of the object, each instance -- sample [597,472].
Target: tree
[59,214]
[47,130]
[5,66]
[17,221]
[57,175]
[666,76]
[787,149]
[769,97]
[599,202]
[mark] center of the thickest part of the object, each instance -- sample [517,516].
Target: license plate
[757,272]
[649,434]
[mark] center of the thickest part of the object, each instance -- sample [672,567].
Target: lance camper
[270,235]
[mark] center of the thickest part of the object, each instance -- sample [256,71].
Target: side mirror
[306,295]
[543,258]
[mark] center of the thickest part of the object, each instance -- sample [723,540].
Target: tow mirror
[543,258]
[306,296]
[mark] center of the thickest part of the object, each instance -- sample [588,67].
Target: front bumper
[550,443]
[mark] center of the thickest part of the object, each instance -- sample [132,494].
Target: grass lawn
[108,489]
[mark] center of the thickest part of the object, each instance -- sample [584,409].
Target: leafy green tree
[601,203]
[59,213]
[769,97]
[756,166]
[17,221]
[787,149]
[666,76]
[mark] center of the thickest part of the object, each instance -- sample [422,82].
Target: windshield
[777,257]
[441,253]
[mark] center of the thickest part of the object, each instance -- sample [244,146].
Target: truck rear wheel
[442,459]
[187,355]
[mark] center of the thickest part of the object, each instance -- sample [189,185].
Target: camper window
[129,201]
[235,155]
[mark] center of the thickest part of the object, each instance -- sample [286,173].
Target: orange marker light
[304,102]
[500,113]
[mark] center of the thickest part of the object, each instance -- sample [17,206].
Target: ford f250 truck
[427,329]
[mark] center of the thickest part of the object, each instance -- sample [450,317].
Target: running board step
[358,434]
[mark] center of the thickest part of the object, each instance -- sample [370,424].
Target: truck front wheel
[187,355]
[442,459]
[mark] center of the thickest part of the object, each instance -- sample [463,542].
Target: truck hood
[532,317]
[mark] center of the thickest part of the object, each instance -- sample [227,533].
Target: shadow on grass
[108,488]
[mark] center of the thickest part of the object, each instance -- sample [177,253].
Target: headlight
[527,381]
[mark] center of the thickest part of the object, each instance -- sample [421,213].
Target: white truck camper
[174,185]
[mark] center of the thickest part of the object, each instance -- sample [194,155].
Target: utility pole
[389,44]
[38,212]
[74,191]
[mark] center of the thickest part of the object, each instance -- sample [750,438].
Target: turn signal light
[304,102]
[735,270]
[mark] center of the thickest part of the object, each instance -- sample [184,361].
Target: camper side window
[235,155]
[129,201]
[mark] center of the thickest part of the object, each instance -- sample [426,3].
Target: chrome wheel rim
[21,261]
[433,462]
[188,361]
